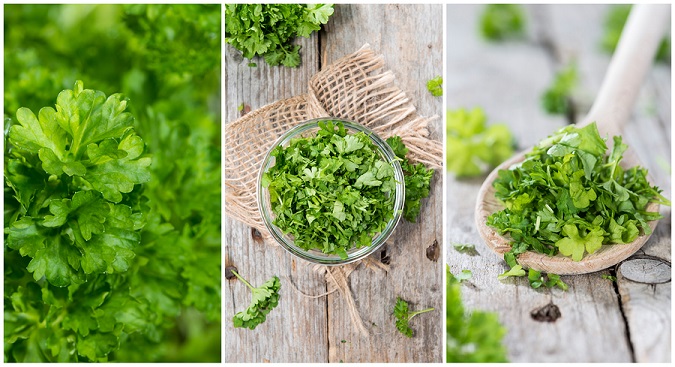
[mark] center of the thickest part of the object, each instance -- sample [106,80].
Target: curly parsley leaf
[268,30]
[84,158]
[263,300]
[472,146]
[570,196]
[471,337]
[435,86]
[403,316]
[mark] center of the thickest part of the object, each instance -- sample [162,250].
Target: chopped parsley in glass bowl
[331,191]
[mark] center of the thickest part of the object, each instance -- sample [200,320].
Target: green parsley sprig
[263,299]
[403,316]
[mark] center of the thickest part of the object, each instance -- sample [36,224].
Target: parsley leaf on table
[516,271]
[538,279]
[403,316]
[464,275]
[263,300]
[435,86]
[472,146]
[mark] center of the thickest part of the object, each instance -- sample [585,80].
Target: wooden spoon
[612,108]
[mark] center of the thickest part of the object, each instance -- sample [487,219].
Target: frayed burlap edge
[355,88]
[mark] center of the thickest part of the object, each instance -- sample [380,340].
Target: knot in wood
[646,270]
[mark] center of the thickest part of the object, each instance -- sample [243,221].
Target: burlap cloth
[355,88]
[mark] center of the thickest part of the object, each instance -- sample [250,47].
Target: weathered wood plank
[297,330]
[410,39]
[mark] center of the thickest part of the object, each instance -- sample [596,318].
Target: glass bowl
[309,129]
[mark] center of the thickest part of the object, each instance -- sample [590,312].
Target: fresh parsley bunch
[74,221]
[332,192]
[268,30]
[472,146]
[73,171]
[569,197]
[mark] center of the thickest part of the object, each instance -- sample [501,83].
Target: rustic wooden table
[319,329]
[602,321]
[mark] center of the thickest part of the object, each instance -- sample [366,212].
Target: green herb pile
[333,192]
[556,99]
[499,22]
[417,180]
[613,26]
[268,30]
[570,197]
[403,316]
[473,147]
[471,337]
[112,203]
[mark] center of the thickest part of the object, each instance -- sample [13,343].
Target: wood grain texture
[601,321]
[304,329]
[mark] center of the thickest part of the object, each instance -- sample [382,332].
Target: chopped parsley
[569,197]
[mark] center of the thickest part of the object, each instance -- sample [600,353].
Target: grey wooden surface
[601,321]
[303,329]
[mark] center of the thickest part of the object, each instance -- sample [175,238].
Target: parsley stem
[242,279]
[419,312]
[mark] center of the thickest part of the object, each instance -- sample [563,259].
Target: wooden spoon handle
[640,39]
